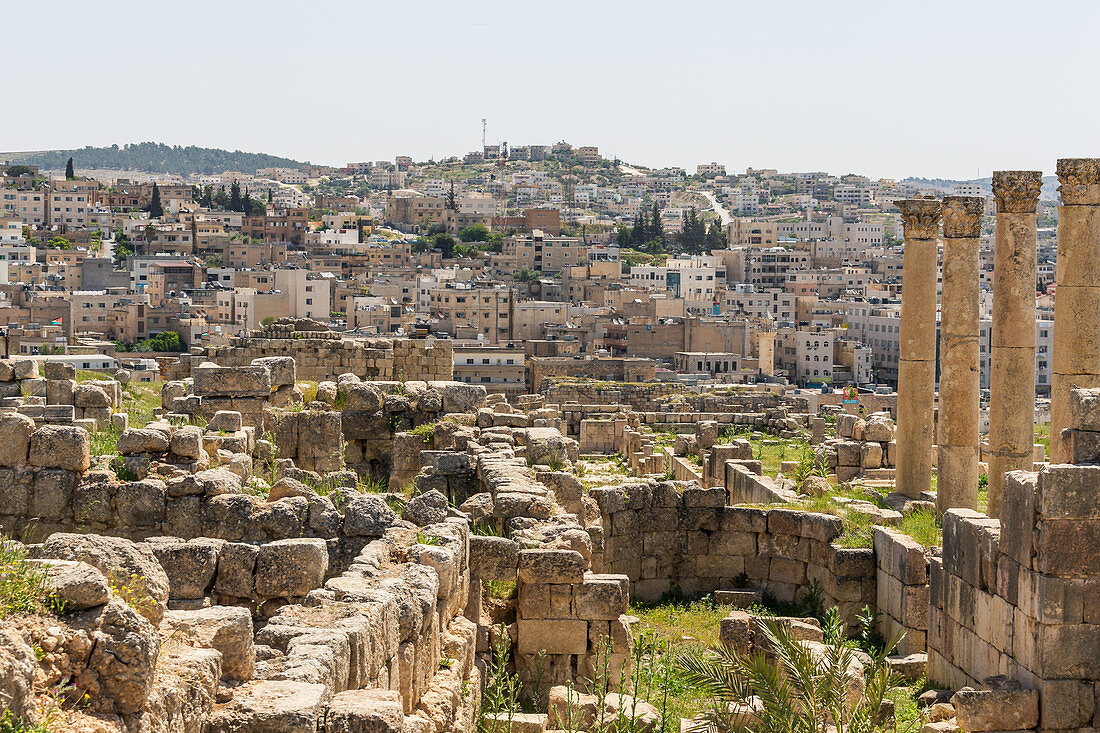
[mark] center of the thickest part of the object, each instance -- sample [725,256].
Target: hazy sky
[887,88]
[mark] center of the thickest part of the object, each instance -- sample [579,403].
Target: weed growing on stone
[105,442]
[924,526]
[425,431]
[500,702]
[132,589]
[22,584]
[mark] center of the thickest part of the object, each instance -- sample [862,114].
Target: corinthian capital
[1080,179]
[1017,192]
[921,217]
[962,216]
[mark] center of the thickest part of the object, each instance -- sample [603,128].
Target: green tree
[235,201]
[156,209]
[20,170]
[445,243]
[716,235]
[451,202]
[656,228]
[207,200]
[221,198]
[254,207]
[474,233]
[526,275]
[69,173]
[640,232]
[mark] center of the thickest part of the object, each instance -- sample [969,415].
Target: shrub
[21,583]
[800,692]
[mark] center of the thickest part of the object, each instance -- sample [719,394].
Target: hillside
[156,158]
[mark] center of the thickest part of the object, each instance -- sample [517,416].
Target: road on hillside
[717,207]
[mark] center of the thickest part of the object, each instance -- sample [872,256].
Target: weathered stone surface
[551,566]
[186,441]
[211,379]
[291,568]
[15,438]
[54,446]
[269,706]
[189,565]
[126,564]
[225,628]
[77,586]
[17,667]
[365,711]
[987,710]
[124,657]
[427,508]
[493,558]
[367,516]
[142,440]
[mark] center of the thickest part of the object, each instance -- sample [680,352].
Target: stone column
[957,483]
[1012,339]
[1076,357]
[917,362]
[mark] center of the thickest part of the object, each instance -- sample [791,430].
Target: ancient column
[1012,337]
[957,454]
[1076,357]
[917,362]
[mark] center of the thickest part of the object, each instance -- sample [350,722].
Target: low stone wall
[902,589]
[326,358]
[695,543]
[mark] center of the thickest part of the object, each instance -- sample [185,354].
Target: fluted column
[957,454]
[1076,357]
[1012,339]
[917,362]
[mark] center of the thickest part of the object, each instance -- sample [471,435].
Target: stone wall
[902,588]
[324,356]
[695,543]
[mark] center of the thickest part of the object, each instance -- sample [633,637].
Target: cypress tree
[156,209]
[69,173]
[235,203]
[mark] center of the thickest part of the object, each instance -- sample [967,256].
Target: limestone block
[59,370]
[556,636]
[848,453]
[291,568]
[551,566]
[225,420]
[60,447]
[493,558]
[15,438]
[211,379]
[142,440]
[989,710]
[273,706]
[365,711]
[25,369]
[236,570]
[189,565]
[282,369]
[90,395]
[601,597]
[225,628]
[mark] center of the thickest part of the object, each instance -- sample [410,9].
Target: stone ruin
[268,554]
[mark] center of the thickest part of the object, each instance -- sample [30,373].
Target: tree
[221,198]
[254,207]
[656,228]
[235,201]
[526,275]
[445,243]
[156,209]
[624,237]
[451,202]
[69,173]
[207,200]
[20,170]
[716,236]
[474,233]
[640,231]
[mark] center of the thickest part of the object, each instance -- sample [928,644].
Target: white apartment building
[710,170]
[854,195]
[1044,348]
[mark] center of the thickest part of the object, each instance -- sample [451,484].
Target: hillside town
[532,260]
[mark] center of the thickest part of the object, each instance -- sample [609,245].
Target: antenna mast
[483,128]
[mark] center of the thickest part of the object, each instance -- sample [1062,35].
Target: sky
[885,88]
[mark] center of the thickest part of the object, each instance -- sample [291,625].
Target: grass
[22,584]
[686,626]
[1042,435]
[105,441]
[924,526]
[139,400]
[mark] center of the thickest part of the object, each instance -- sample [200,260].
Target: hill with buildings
[154,158]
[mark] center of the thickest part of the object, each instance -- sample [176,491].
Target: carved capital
[921,217]
[962,216]
[1080,179]
[1017,192]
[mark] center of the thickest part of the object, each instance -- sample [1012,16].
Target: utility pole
[483,129]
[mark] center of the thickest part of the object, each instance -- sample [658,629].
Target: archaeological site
[308,532]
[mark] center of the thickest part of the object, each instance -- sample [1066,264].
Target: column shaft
[1012,337]
[957,453]
[1076,357]
[917,362]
